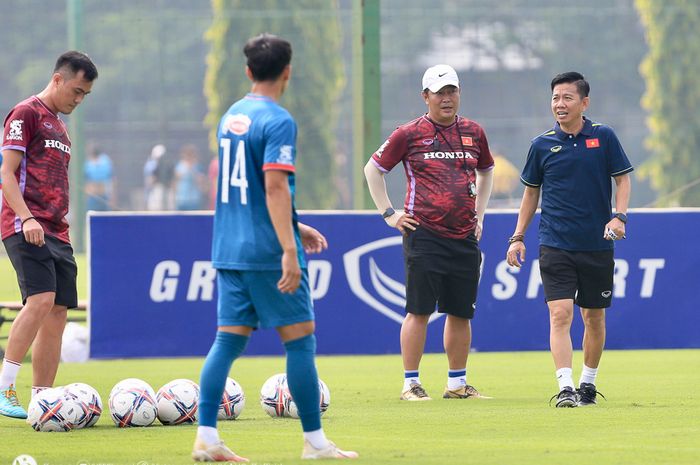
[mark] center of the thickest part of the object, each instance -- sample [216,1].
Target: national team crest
[592,143]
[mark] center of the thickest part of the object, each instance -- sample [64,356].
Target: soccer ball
[325,396]
[275,398]
[277,401]
[232,402]
[178,402]
[90,401]
[126,383]
[132,402]
[52,410]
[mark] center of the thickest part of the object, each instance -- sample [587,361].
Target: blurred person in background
[573,164]
[158,177]
[189,183]
[99,181]
[36,151]
[258,251]
[213,175]
[449,173]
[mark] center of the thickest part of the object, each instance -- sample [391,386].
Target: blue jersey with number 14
[255,135]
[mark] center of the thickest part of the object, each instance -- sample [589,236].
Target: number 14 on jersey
[237,177]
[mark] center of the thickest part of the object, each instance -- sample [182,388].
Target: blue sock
[302,379]
[227,347]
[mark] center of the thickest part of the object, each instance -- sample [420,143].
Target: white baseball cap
[438,76]
[158,151]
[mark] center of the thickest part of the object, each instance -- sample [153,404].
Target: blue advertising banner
[153,290]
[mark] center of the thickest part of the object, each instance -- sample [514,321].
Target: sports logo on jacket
[15,130]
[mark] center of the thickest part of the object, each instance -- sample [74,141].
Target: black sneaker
[566,398]
[587,394]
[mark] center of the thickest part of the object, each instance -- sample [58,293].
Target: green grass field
[8,280]
[652,415]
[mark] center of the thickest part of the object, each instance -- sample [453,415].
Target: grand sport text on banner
[153,290]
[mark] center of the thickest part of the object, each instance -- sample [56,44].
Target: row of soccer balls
[133,402]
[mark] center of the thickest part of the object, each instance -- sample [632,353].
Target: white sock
[564,378]
[208,434]
[37,389]
[456,379]
[317,438]
[410,377]
[8,375]
[588,375]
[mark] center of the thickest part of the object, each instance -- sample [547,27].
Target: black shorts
[441,273]
[586,277]
[50,268]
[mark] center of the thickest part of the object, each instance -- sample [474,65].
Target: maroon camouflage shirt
[43,173]
[440,163]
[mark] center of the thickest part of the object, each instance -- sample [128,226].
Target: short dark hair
[577,79]
[267,56]
[77,61]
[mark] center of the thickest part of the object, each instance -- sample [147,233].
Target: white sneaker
[331,451]
[214,453]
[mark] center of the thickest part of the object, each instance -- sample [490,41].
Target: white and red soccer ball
[54,410]
[232,402]
[178,402]
[277,401]
[90,400]
[132,402]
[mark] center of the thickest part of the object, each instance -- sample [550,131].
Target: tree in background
[313,28]
[506,53]
[672,73]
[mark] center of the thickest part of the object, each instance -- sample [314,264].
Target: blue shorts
[251,298]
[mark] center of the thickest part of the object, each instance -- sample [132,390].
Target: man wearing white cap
[449,174]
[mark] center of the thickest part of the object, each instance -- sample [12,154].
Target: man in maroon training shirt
[36,150]
[449,177]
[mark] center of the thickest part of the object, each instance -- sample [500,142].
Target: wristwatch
[516,238]
[388,212]
[621,216]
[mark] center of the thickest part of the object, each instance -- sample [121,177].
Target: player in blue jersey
[572,165]
[257,251]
